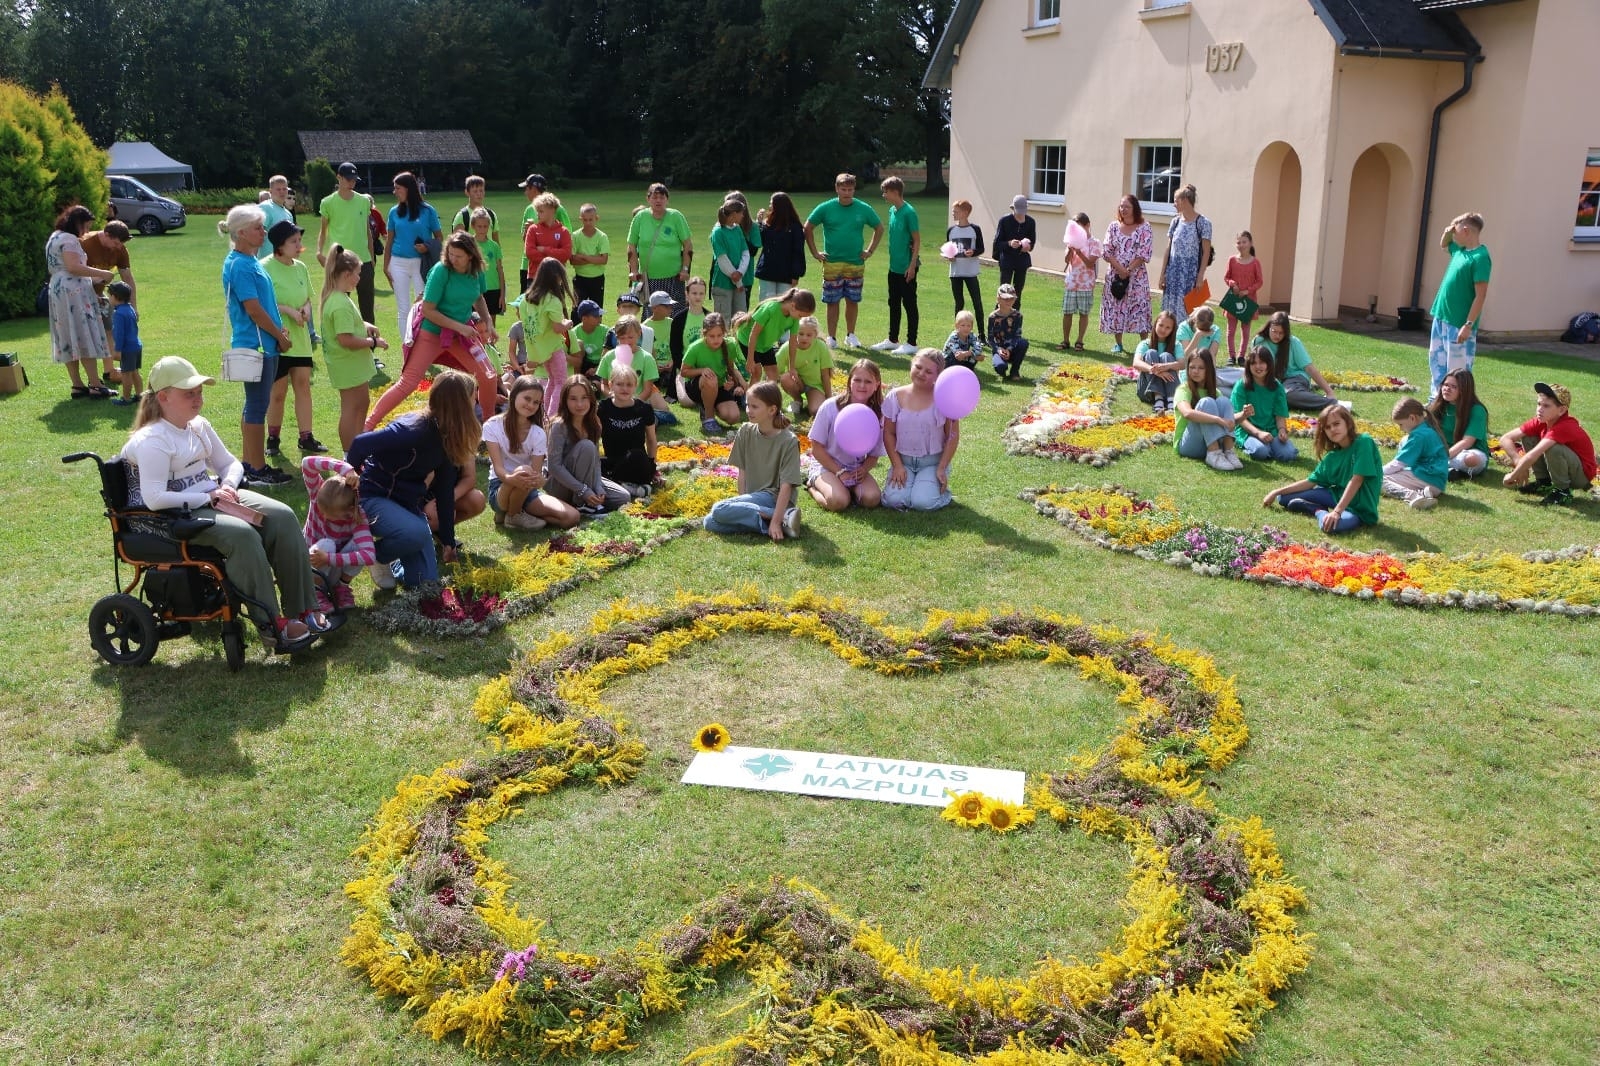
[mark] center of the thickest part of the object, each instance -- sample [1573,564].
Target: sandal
[100,392]
[286,639]
[1079,346]
[316,621]
[80,392]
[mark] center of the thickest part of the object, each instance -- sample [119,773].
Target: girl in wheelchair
[177,460]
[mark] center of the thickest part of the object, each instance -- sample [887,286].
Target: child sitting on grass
[1156,360]
[1551,447]
[767,454]
[963,347]
[336,530]
[517,448]
[627,435]
[1418,472]
[1342,492]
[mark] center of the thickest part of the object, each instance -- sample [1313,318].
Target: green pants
[1562,468]
[256,553]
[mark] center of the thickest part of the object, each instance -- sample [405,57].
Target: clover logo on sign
[1213,933]
[767,765]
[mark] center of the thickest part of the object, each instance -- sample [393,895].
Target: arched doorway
[1378,195]
[1275,219]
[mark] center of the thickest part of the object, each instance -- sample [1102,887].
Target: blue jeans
[257,394]
[402,534]
[1281,451]
[1322,501]
[1199,436]
[750,513]
[921,492]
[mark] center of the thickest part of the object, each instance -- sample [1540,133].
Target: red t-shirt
[1565,431]
[543,241]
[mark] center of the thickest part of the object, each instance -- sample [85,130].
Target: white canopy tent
[143,160]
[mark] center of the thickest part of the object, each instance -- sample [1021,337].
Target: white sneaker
[1422,502]
[524,520]
[852,341]
[907,349]
[791,522]
[382,575]
[885,346]
[1233,459]
[833,342]
[1217,461]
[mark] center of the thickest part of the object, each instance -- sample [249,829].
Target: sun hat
[1559,393]
[175,372]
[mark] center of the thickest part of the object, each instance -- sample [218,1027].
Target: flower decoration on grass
[966,809]
[1211,934]
[713,737]
[1563,582]
[1365,381]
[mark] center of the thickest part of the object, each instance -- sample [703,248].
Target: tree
[915,122]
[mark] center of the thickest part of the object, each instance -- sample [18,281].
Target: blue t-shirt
[125,330]
[244,279]
[405,232]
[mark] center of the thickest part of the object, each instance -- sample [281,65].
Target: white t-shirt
[171,467]
[534,443]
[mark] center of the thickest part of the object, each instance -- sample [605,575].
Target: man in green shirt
[905,245]
[843,260]
[1453,343]
[344,219]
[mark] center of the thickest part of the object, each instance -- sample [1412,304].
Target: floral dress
[1183,263]
[1131,314]
[76,329]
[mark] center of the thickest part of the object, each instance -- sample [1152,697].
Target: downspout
[1411,317]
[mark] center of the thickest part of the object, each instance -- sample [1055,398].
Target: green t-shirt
[530,215]
[538,328]
[1270,406]
[463,220]
[729,241]
[292,286]
[591,342]
[1477,425]
[773,322]
[347,222]
[842,228]
[1299,359]
[348,368]
[809,363]
[452,294]
[599,244]
[1212,340]
[902,224]
[1458,289]
[701,356]
[768,463]
[1336,468]
[643,365]
[667,236]
[492,255]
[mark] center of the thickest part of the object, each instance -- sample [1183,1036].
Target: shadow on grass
[74,418]
[957,518]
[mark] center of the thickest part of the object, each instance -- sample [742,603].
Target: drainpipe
[1411,317]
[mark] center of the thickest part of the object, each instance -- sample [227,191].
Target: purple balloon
[955,393]
[857,430]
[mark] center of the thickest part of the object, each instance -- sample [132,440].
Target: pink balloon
[857,430]
[955,393]
[624,356]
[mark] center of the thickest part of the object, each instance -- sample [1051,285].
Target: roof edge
[943,61]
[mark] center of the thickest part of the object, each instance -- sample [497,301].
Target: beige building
[1328,128]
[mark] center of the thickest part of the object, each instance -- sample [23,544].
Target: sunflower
[1004,817]
[713,737]
[966,809]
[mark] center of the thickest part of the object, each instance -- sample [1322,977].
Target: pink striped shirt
[352,534]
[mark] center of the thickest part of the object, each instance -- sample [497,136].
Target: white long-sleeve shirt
[172,467]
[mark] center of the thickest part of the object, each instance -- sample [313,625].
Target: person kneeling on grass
[710,376]
[808,369]
[768,457]
[1552,447]
[835,477]
[1348,464]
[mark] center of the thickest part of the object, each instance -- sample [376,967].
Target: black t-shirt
[622,429]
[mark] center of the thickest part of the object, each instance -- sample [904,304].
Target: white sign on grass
[812,773]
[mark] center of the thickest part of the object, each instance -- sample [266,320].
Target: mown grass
[175,838]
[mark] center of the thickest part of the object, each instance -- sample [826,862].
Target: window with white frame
[1157,174]
[1586,223]
[1046,12]
[1047,172]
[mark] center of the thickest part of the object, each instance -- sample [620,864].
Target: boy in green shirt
[905,245]
[344,220]
[1453,342]
[843,260]
[591,251]
[463,220]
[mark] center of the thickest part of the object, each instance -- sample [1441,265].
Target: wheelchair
[174,585]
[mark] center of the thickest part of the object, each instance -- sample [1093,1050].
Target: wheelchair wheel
[233,644]
[122,630]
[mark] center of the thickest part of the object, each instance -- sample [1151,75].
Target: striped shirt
[352,535]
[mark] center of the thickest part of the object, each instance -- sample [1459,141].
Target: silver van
[142,208]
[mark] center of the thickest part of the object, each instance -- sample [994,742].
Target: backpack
[1583,329]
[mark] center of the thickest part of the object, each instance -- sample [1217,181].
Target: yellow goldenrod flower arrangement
[431,896]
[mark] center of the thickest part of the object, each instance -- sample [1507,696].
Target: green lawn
[175,838]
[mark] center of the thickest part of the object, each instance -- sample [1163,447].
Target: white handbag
[243,364]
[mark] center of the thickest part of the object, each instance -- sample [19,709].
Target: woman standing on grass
[413,223]
[77,332]
[257,323]
[1125,303]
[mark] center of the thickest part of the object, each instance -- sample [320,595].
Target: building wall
[1322,156]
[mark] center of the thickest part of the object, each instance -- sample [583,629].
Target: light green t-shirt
[643,365]
[1458,289]
[1212,340]
[452,294]
[667,258]
[347,222]
[348,368]
[701,356]
[902,224]
[291,284]
[599,244]
[1336,468]
[843,228]
[809,363]
[492,255]
[538,329]
[773,322]
[1269,407]
[591,342]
